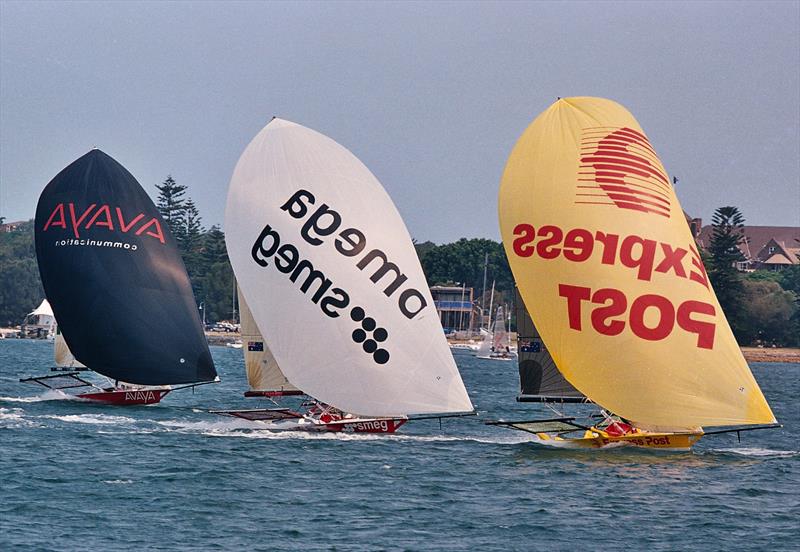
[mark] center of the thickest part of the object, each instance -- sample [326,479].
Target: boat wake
[212,428]
[566,444]
[95,419]
[246,429]
[49,395]
[757,452]
[14,417]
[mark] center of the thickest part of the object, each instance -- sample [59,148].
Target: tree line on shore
[762,307]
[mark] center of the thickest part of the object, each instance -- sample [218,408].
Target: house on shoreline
[764,248]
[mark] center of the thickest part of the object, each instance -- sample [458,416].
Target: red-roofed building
[765,247]
[11,226]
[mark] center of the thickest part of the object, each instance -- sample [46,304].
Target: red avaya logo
[103,217]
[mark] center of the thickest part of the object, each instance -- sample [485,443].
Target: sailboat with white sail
[330,275]
[118,288]
[496,344]
[609,271]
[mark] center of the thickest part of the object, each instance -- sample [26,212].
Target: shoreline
[777,354]
[751,354]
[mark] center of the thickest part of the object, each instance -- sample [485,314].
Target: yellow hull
[596,438]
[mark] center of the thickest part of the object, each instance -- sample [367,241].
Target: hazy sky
[430,96]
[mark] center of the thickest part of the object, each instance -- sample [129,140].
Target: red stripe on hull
[124,398]
[366,426]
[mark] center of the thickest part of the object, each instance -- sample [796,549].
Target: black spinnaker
[115,279]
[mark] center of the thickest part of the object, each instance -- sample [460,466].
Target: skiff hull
[285,419]
[121,397]
[664,441]
[354,425]
[378,425]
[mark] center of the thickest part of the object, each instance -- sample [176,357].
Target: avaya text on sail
[102,218]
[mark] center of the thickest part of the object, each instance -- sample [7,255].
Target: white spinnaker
[485,348]
[322,354]
[263,372]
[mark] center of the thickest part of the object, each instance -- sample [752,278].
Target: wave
[247,429]
[14,417]
[118,481]
[49,395]
[204,426]
[757,452]
[97,419]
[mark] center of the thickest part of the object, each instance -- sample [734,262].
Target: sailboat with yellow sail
[610,273]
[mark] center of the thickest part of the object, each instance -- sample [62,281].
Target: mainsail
[496,344]
[610,272]
[500,338]
[61,353]
[340,293]
[539,378]
[263,373]
[114,277]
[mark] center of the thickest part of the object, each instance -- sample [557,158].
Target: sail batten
[610,273]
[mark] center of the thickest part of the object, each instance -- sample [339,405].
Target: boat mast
[491,304]
[483,293]
[233,301]
[461,307]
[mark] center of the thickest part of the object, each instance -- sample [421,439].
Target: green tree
[171,205]
[423,248]
[191,244]
[790,281]
[769,311]
[193,228]
[216,279]
[727,234]
[462,262]
[20,286]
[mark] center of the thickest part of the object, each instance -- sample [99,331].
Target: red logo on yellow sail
[619,167]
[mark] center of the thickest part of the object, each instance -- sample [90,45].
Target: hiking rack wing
[74,380]
[550,425]
[739,429]
[260,414]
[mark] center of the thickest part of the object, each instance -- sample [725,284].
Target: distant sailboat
[496,345]
[40,323]
[606,265]
[332,280]
[118,287]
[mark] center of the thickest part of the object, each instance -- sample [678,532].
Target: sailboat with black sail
[539,378]
[119,290]
[609,271]
[328,271]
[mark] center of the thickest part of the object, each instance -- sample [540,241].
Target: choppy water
[77,476]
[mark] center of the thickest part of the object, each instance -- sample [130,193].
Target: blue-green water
[78,476]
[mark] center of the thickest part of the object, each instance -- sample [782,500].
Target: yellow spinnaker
[606,263]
